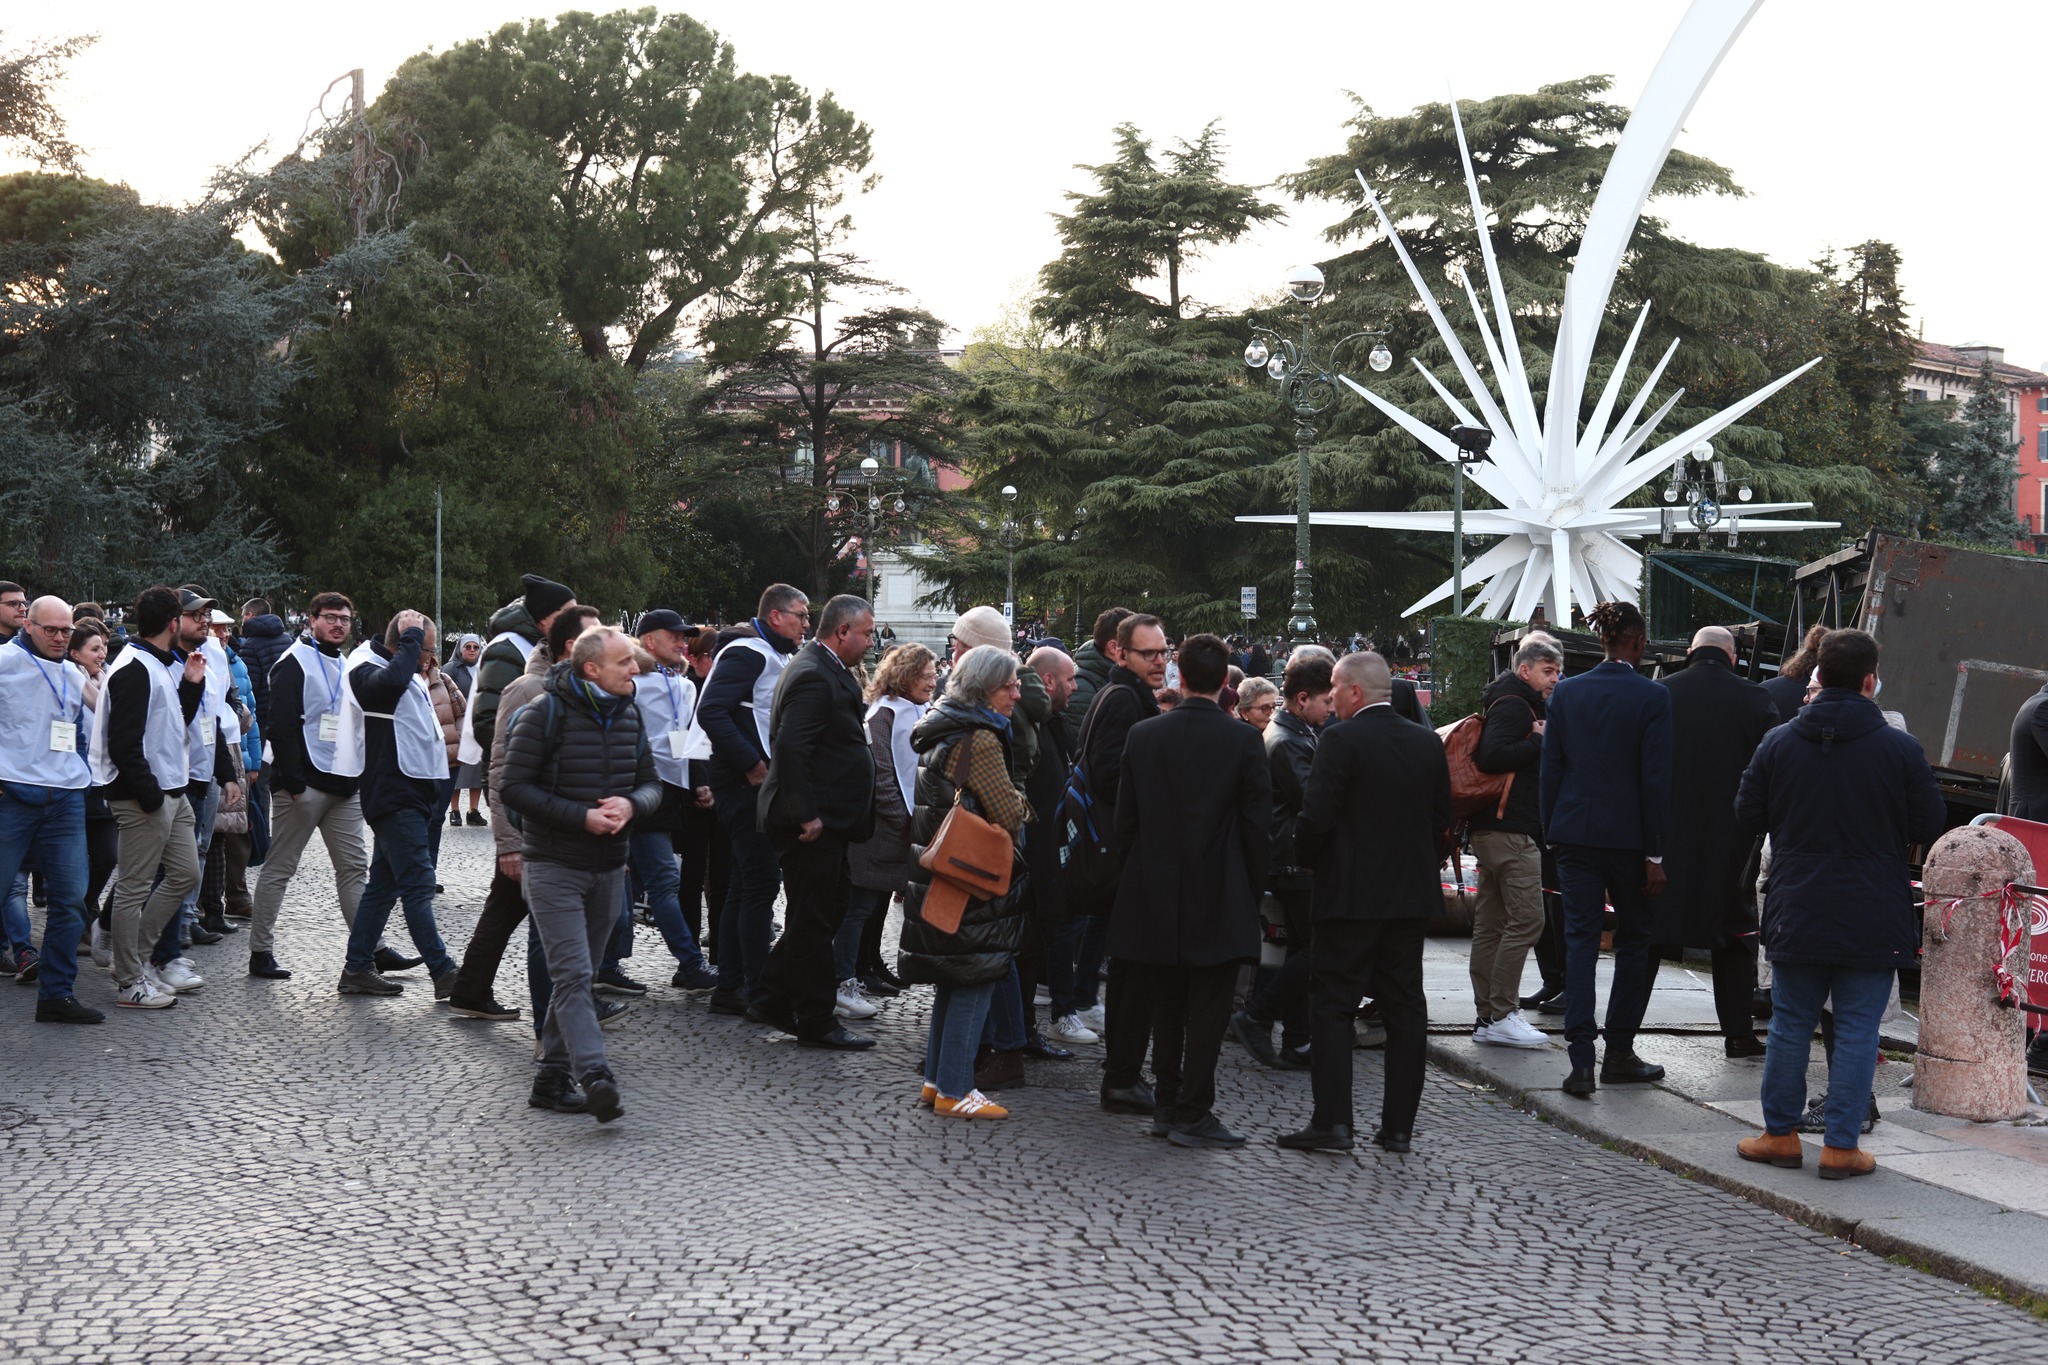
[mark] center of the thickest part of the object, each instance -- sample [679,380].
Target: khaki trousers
[1506,920]
[292,822]
[142,906]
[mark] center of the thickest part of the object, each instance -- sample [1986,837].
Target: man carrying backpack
[578,772]
[1506,840]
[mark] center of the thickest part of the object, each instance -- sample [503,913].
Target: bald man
[1718,718]
[1378,793]
[43,777]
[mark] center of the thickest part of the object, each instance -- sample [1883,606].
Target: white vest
[214,712]
[321,687]
[907,714]
[773,662]
[36,694]
[668,706]
[415,729]
[163,733]
[469,750]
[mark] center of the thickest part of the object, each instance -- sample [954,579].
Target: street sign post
[1248,601]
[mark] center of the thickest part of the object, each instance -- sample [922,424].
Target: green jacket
[499,665]
[1034,709]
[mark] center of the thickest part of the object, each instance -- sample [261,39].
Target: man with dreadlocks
[1606,786]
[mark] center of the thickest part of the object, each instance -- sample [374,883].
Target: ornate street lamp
[1701,482]
[872,512]
[1307,388]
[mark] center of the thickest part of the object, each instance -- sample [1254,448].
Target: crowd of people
[1110,833]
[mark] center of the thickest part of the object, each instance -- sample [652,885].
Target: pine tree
[1981,473]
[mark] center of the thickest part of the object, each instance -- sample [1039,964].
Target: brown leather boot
[1839,1163]
[1779,1149]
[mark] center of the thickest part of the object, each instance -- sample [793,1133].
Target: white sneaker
[851,1003]
[1511,1030]
[177,975]
[144,995]
[1068,1028]
[1093,1017]
[102,950]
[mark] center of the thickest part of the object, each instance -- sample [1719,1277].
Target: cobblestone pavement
[274,1173]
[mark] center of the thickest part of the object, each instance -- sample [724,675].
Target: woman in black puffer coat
[964,747]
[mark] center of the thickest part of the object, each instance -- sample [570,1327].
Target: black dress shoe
[1207,1131]
[66,1010]
[1292,1059]
[1544,995]
[1744,1045]
[772,1017]
[552,1089]
[878,972]
[200,934]
[1760,1005]
[1393,1140]
[728,1002]
[1257,1038]
[1580,1082]
[1162,1126]
[265,966]
[872,984]
[1629,1069]
[369,983]
[216,923]
[601,1095]
[1002,1069]
[1039,1050]
[391,960]
[1315,1138]
[839,1040]
[1130,1099]
[1554,1005]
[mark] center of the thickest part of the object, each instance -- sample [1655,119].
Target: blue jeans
[1005,1028]
[653,859]
[437,820]
[50,822]
[862,904]
[746,922]
[14,916]
[400,870]
[1589,878]
[958,1013]
[1798,991]
[540,987]
[618,945]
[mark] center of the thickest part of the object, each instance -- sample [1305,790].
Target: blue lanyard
[63,696]
[675,698]
[333,688]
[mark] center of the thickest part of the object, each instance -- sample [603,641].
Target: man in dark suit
[1606,793]
[1192,825]
[1378,793]
[818,798]
[1718,717]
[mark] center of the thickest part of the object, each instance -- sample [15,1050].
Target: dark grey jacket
[593,759]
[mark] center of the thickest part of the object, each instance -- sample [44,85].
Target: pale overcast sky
[1844,119]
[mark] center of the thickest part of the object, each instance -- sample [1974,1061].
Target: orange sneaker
[972,1105]
[1839,1163]
[1780,1149]
[926,1096]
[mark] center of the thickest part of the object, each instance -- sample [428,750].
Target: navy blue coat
[1842,796]
[264,642]
[1607,761]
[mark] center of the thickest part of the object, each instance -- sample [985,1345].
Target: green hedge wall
[1460,653]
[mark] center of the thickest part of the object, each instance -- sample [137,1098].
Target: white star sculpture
[1560,526]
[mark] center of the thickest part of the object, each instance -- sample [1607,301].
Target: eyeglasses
[60,629]
[1265,706]
[336,618]
[13,603]
[1159,653]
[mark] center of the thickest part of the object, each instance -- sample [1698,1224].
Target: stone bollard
[1972,1059]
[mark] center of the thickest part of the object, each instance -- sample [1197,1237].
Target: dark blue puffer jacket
[1842,795]
[264,642]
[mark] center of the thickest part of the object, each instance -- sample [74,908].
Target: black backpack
[550,744]
[1088,860]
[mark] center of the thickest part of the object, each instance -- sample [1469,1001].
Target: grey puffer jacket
[598,752]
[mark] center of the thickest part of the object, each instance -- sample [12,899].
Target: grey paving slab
[283,1175]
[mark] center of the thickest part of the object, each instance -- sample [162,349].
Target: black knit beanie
[543,597]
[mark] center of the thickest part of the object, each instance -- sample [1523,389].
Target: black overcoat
[1718,717]
[1193,824]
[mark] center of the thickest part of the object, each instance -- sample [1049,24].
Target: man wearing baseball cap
[668,704]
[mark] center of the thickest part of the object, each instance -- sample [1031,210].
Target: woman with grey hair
[964,748]
[1256,702]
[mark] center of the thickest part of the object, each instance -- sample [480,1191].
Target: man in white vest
[43,777]
[207,739]
[739,694]
[147,700]
[668,710]
[390,734]
[310,788]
